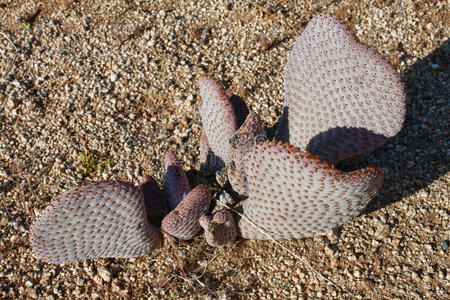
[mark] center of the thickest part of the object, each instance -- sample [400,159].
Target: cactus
[183,221]
[249,134]
[100,219]
[218,118]
[220,229]
[341,99]
[294,195]
[177,184]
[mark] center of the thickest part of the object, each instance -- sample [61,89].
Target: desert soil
[100,89]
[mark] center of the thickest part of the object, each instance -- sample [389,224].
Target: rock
[382,232]
[104,274]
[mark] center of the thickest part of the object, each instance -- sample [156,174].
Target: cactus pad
[177,184]
[183,221]
[100,219]
[294,195]
[220,229]
[249,134]
[218,117]
[341,98]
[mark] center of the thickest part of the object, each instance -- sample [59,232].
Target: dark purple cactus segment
[341,97]
[294,195]
[100,219]
[153,199]
[183,221]
[248,135]
[177,184]
[220,229]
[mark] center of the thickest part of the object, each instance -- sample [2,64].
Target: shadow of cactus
[419,154]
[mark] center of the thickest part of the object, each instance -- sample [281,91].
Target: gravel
[95,90]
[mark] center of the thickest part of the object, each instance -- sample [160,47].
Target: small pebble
[104,274]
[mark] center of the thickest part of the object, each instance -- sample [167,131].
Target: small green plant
[29,20]
[26,27]
[92,163]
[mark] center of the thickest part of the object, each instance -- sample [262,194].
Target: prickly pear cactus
[177,184]
[294,195]
[220,228]
[249,134]
[218,117]
[341,97]
[183,221]
[100,219]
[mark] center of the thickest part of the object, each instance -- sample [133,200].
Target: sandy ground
[94,90]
